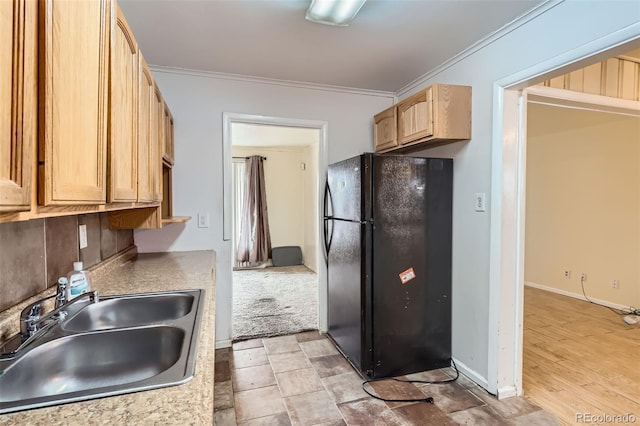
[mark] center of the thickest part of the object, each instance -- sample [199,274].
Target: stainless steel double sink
[119,345]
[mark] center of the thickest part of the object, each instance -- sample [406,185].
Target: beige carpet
[274,301]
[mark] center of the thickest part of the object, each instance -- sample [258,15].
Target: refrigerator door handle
[328,236]
[324,240]
[328,202]
[327,217]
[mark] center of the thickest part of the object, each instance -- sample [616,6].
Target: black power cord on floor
[426,399]
[632,310]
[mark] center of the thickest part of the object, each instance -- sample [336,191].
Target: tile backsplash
[34,253]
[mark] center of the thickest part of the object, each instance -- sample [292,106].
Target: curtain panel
[254,242]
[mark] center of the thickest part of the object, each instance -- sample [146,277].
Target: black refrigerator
[387,232]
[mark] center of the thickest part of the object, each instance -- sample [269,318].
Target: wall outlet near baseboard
[615,284]
[566,273]
[583,276]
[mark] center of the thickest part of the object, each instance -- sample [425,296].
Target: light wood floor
[579,357]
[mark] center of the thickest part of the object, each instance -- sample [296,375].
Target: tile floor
[303,380]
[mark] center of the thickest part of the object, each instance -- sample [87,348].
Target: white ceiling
[258,135]
[388,45]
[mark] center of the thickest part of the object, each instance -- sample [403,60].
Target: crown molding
[482,43]
[270,81]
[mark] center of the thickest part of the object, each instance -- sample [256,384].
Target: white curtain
[238,197]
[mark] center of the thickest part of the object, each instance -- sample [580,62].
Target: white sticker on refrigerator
[406,276]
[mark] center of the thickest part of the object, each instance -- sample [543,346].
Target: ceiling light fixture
[333,12]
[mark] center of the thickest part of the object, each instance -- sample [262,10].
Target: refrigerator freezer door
[344,287]
[411,287]
[345,189]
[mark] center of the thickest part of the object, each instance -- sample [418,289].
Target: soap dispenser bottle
[78,281]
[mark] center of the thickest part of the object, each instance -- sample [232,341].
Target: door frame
[506,273]
[227,193]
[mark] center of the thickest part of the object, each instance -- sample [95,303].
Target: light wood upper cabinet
[74,48]
[17,103]
[123,111]
[614,77]
[167,155]
[146,155]
[83,126]
[150,134]
[415,117]
[158,142]
[436,115]
[587,80]
[629,81]
[385,129]
[610,81]
[621,79]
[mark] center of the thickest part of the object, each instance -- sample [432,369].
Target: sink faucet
[31,314]
[33,326]
[30,319]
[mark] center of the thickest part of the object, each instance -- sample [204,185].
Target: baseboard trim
[221,344]
[507,392]
[471,374]
[576,295]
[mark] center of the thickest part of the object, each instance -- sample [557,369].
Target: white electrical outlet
[203,220]
[566,273]
[615,283]
[479,202]
[583,276]
[82,236]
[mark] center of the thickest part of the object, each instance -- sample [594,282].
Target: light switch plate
[203,220]
[82,236]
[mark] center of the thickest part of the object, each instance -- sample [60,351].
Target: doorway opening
[548,140]
[582,242]
[278,295]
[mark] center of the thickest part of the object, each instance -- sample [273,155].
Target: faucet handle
[61,295]
[29,319]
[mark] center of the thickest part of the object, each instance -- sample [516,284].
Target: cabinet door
[385,128]
[415,117]
[168,136]
[74,38]
[575,80]
[611,73]
[558,82]
[592,79]
[628,86]
[17,103]
[158,142]
[145,153]
[123,132]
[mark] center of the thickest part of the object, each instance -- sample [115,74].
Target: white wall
[583,202]
[197,103]
[284,182]
[564,27]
